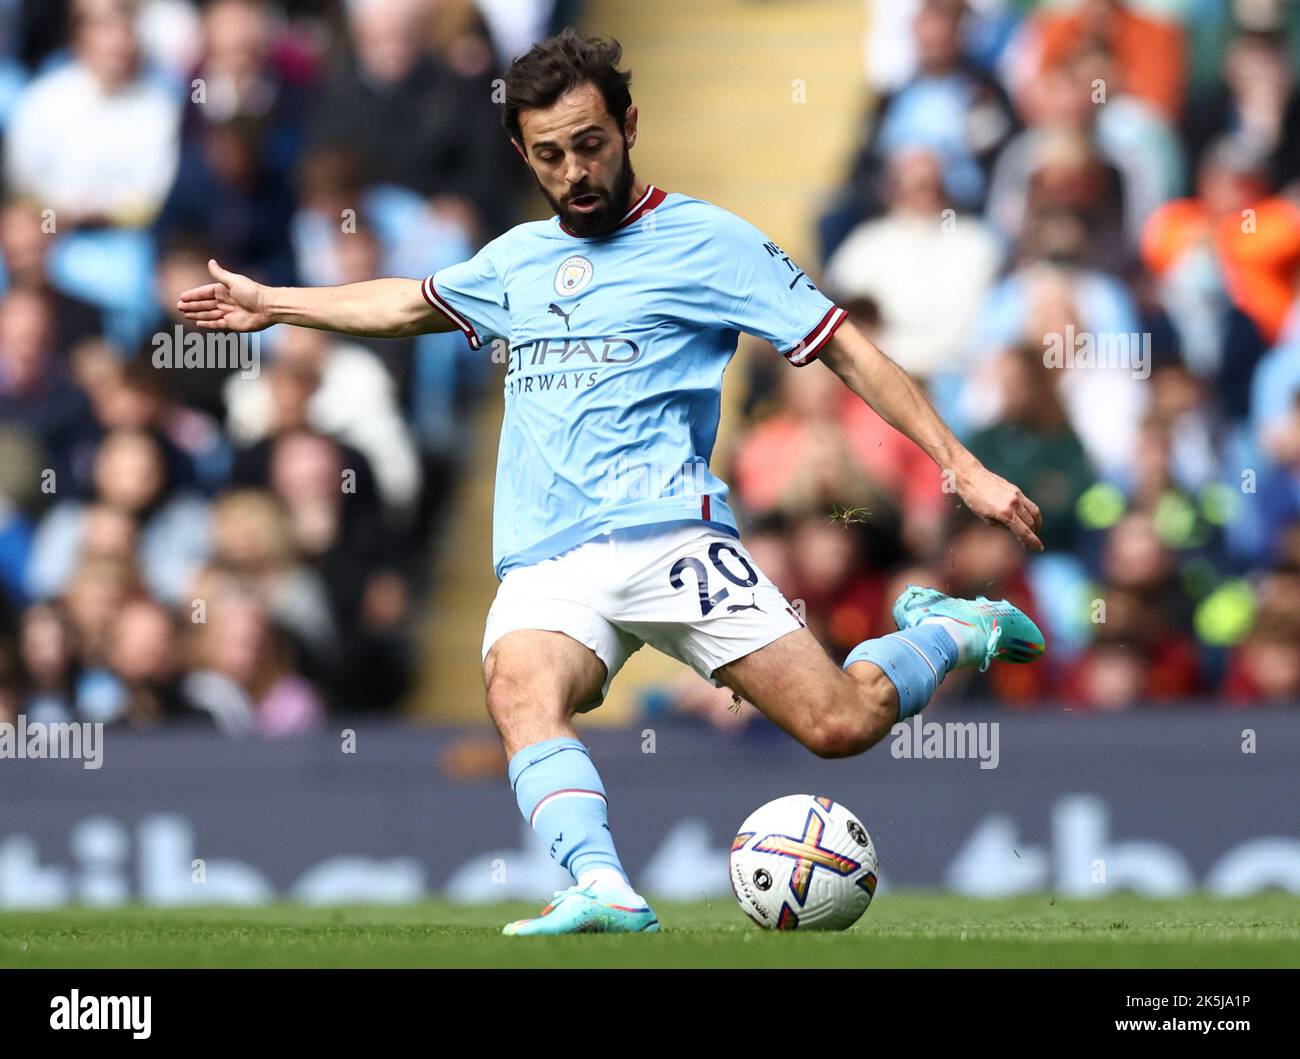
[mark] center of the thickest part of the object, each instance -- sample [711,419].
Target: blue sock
[561,796]
[916,660]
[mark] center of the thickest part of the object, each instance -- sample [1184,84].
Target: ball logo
[857,831]
[573,275]
[762,880]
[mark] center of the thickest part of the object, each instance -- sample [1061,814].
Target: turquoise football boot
[579,911]
[1009,634]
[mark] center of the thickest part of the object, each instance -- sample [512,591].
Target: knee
[511,692]
[503,692]
[855,718]
[841,736]
[526,694]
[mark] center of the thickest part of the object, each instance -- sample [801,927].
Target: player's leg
[832,712]
[537,678]
[837,713]
[536,681]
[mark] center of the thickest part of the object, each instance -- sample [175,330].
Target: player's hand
[232,303]
[995,499]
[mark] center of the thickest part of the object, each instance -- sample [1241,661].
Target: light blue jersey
[616,349]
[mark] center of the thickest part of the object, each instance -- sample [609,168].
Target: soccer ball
[803,862]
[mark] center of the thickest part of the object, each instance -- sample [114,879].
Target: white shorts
[687,589]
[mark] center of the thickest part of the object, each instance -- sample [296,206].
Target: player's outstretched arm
[378,308]
[898,400]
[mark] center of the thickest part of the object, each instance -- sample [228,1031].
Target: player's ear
[520,148]
[629,125]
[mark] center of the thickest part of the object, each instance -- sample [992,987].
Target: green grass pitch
[899,930]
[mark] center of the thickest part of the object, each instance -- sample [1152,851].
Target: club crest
[573,275]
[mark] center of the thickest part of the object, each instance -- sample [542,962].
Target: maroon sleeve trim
[432,296]
[805,351]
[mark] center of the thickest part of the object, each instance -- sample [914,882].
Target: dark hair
[553,67]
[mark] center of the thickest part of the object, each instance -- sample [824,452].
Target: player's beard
[605,217]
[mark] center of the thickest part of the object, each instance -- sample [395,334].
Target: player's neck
[635,195]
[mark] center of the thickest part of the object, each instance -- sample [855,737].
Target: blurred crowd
[1031,179]
[241,542]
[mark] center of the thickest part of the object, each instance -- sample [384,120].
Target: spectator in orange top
[1252,237]
[1150,53]
[801,458]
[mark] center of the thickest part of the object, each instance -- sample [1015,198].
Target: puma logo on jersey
[553,308]
[736,608]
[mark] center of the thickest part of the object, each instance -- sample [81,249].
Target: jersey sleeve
[764,293]
[472,296]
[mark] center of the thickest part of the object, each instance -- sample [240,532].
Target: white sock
[969,640]
[611,887]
